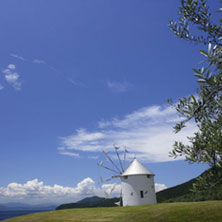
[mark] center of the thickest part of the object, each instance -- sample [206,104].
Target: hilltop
[183,193]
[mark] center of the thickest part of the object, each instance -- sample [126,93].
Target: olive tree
[196,24]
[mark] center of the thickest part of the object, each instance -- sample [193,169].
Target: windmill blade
[101,165]
[106,194]
[116,148]
[111,190]
[106,153]
[116,176]
[114,186]
[101,180]
[119,203]
[106,180]
[125,152]
[109,179]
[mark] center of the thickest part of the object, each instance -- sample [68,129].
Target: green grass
[208,211]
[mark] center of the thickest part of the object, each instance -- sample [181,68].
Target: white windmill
[137,182]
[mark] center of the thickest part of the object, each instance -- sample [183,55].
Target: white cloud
[36,192]
[12,77]
[147,132]
[159,187]
[111,190]
[119,87]
[11,66]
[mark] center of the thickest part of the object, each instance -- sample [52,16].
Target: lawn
[208,211]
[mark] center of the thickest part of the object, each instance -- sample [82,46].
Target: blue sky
[76,77]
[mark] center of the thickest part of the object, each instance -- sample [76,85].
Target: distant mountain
[90,199]
[183,193]
[90,202]
[22,206]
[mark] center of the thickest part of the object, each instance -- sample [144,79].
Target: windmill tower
[137,184]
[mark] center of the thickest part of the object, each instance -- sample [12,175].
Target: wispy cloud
[34,61]
[18,57]
[146,132]
[38,61]
[76,155]
[12,77]
[76,83]
[36,192]
[119,87]
[1,87]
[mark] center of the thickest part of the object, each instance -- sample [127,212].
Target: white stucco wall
[133,185]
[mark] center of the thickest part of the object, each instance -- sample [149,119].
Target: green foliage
[205,108]
[196,13]
[184,192]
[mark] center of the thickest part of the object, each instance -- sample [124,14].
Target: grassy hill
[208,211]
[183,193]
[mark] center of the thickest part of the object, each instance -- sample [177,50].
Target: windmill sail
[116,148]
[106,153]
[126,151]
[118,169]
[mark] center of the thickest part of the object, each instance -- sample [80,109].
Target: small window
[141,194]
[148,176]
[125,177]
[131,194]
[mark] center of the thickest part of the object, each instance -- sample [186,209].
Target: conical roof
[136,168]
